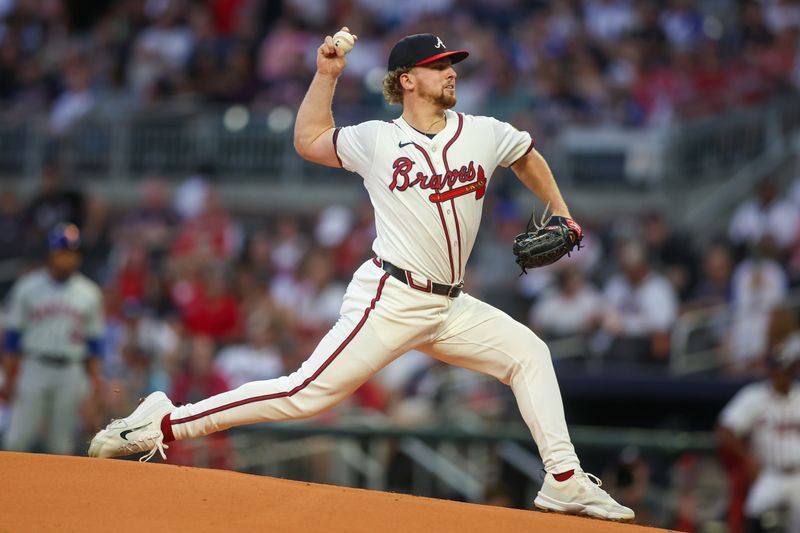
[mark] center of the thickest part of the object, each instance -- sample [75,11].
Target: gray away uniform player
[52,347]
[426,173]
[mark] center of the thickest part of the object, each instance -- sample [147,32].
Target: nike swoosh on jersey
[125,433]
[403,145]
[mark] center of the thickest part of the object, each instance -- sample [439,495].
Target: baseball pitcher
[426,173]
[52,347]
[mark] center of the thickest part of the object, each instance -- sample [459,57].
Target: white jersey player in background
[426,173]
[761,425]
[52,348]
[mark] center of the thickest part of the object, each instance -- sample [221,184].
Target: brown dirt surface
[53,493]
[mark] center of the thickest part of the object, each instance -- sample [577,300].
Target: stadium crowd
[543,64]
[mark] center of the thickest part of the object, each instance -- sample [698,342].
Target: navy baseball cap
[64,237]
[420,49]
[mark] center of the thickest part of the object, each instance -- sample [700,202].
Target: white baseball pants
[772,490]
[381,319]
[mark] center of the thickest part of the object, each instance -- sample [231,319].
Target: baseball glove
[545,244]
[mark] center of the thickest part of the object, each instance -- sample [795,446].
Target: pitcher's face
[436,83]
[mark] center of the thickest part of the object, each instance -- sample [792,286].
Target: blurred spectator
[648,34]
[152,222]
[682,24]
[607,20]
[699,485]
[573,307]
[190,196]
[256,360]
[12,230]
[134,278]
[290,245]
[198,380]
[759,284]
[136,336]
[782,14]
[318,296]
[211,234]
[672,252]
[714,285]
[357,244]
[395,377]
[753,30]
[161,51]
[208,307]
[629,480]
[77,100]
[642,306]
[490,275]
[237,84]
[767,215]
[333,225]
[258,256]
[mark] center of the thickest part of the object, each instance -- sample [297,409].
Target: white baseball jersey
[55,318]
[771,420]
[428,193]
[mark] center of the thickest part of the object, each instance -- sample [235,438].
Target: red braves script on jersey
[402,166]
[428,193]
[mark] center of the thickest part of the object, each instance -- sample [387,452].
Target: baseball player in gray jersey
[426,173]
[52,347]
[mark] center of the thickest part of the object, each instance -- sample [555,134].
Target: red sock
[166,429]
[564,475]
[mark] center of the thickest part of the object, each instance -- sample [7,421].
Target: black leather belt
[427,286]
[59,361]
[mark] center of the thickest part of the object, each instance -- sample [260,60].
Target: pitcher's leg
[479,337]
[348,355]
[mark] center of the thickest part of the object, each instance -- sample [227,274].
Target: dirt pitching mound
[53,493]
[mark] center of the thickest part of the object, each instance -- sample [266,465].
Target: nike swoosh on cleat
[402,145]
[124,434]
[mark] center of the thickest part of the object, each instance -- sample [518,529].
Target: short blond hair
[392,89]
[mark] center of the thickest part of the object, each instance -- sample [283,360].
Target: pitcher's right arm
[314,127]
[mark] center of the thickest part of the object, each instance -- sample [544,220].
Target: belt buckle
[454,287]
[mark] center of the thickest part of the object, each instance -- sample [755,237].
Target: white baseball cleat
[581,495]
[138,432]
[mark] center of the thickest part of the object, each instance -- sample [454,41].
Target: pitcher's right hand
[331,60]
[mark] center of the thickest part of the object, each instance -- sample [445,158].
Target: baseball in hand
[343,41]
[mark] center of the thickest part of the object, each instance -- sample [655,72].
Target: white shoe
[138,432]
[580,494]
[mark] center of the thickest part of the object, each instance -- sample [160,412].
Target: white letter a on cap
[439,43]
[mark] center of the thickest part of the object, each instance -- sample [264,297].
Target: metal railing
[245,145]
[457,459]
